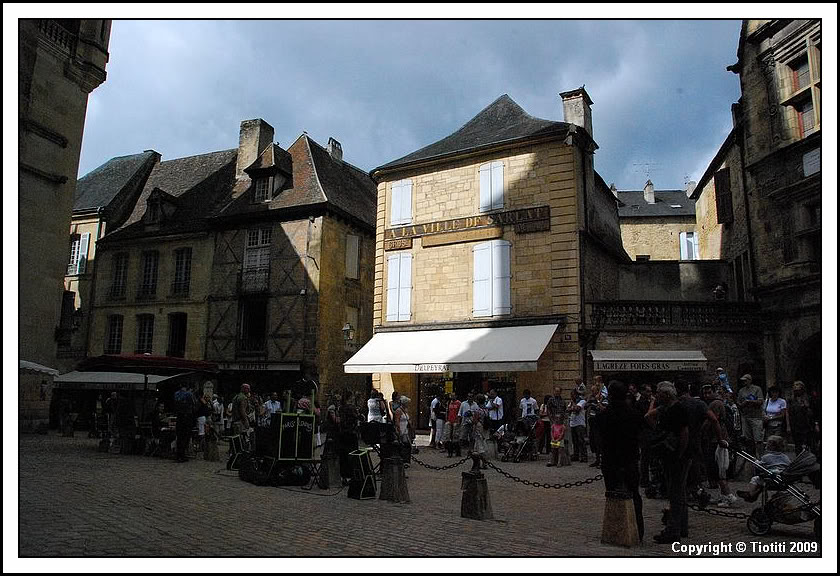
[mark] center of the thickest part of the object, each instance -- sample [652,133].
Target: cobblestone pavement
[75,501]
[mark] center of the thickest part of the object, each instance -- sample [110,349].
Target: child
[559,455]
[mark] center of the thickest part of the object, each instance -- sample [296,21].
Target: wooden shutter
[683,246]
[393,288]
[405,287]
[485,196]
[351,257]
[482,280]
[405,203]
[497,185]
[396,199]
[501,277]
[723,196]
[81,261]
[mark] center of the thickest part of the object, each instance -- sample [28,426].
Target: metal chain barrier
[716,512]
[544,484]
[430,467]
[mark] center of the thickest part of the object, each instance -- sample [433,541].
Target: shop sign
[650,366]
[524,220]
[431,367]
[256,366]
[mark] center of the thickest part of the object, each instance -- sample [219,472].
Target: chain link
[716,512]
[544,484]
[448,467]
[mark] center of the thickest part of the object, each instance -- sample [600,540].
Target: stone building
[657,224]
[60,63]
[766,191]
[257,259]
[488,242]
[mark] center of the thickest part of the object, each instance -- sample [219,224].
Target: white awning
[32,366]
[109,381]
[510,349]
[648,360]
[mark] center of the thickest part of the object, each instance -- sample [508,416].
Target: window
[153,211]
[401,202]
[351,257]
[119,271]
[688,246]
[723,196]
[642,257]
[491,278]
[181,280]
[263,191]
[252,325]
[802,88]
[177,335]
[491,184]
[113,336]
[78,253]
[257,262]
[145,333]
[399,287]
[149,275]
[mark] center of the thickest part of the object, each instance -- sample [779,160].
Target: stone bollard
[394,486]
[619,525]
[329,475]
[475,498]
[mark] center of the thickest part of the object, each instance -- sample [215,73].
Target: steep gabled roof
[99,187]
[632,204]
[272,157]
[502,121]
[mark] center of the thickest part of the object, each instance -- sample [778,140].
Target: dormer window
[153,212]
[263,191]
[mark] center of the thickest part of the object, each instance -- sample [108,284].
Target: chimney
[334,148]
[649,197]
[577,109]
[689,188]
[254,137]
[613,189]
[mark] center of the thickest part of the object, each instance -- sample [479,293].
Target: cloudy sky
[661,91]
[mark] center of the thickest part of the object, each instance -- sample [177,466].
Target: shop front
[641,367]
[421,363]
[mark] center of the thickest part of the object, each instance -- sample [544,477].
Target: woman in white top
[775,414]
[402,422]
[375,408]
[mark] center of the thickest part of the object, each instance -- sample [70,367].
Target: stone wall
[657,237]
[689,281]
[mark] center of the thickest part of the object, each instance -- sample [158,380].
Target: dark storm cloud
[385,88]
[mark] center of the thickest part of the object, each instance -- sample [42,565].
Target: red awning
[143,363]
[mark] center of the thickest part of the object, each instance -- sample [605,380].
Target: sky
[385,88]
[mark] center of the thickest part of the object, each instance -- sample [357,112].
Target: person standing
[466,422]
[451,432]
[775,414]
[218,415]
[620,428]
[240,423]
[273,406]
[595,406]
[374,408]
[716,451]
[432,421]
[479,441]
[202,412]
[528,406]
[751,404]
[185,412]
[544,437]
[722,380]
[439,415]
[577,423]
[496,406]
[111,406]
[801,419]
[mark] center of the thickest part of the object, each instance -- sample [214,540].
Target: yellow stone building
[482,242]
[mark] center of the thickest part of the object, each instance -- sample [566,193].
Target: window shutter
[482,280]
[683,247]
[81,262]
[396,200]
[501,277]
[497,185]
[351,259]
[405,287]
[405,202]
[723,196]
[696,253]
[485,196]
[393,288]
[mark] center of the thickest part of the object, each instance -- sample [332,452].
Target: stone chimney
[577,109]
[254,137]
[334,148]
[649,196]
[690,187]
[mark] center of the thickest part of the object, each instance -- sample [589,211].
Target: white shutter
[405,203]
[351,257]
[501,277]
[485,201]
[393,288]
[694,240]
[396,199]
[683,247]
[81,261]
[497,185]
[482,280]
[405,287]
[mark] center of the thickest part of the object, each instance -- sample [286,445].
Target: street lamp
[349,333]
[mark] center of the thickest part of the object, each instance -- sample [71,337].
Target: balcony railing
[58,35]
[254,280]
[667,315]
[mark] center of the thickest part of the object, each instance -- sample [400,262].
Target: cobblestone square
[75,501]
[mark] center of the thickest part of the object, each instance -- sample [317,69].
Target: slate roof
[100,186]
[272,157]
[502,121]
[317,179]
[628,200]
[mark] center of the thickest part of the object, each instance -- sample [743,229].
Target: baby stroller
[789,504]
[520,442]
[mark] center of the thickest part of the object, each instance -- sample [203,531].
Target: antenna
[647,167]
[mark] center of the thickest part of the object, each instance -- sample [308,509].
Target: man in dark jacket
[185,412]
